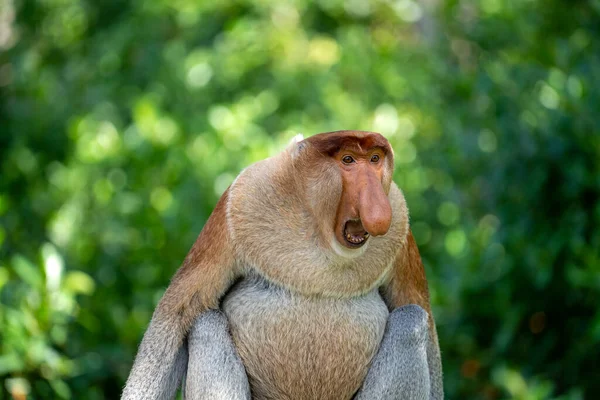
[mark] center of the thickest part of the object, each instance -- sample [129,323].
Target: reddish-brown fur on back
[408,283]
[207,270]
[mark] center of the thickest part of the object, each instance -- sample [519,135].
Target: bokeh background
[122,122]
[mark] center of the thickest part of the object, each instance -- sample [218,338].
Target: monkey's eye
[347,160]
[375,158]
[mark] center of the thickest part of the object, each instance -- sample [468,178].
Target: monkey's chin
[347,252]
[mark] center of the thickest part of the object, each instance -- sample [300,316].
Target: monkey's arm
[405,339]
[206,274]
[400,370]
[215,371]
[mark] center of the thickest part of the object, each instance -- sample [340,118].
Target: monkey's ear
[297,144]
[407,283]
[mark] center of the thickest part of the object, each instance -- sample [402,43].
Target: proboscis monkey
[305,283]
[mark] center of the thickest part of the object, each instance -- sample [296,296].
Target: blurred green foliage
[121,123]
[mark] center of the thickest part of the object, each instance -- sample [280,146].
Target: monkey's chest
[295,347]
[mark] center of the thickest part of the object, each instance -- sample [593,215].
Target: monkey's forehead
[359,141]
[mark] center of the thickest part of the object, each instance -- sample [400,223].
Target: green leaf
[79,282]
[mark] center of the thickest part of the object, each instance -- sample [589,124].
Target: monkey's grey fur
[214,369]
[400,370]
[287,341]
[170,366]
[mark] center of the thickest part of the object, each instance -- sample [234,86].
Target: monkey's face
[360,165]
[364,208]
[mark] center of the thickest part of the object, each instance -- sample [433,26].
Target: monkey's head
[323,217]
[360,166]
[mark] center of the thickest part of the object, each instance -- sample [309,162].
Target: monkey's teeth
[355,240]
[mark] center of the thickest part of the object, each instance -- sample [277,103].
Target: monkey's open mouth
[355,234]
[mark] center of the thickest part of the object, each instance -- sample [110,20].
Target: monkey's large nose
[378,220]
[374,208]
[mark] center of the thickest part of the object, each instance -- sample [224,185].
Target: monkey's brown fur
[306,313]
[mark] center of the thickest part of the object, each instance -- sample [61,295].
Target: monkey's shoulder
[294,344]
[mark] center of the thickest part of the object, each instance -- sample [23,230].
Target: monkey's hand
[402,369]
[215,371]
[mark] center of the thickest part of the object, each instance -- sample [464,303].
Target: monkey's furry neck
[266,209]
